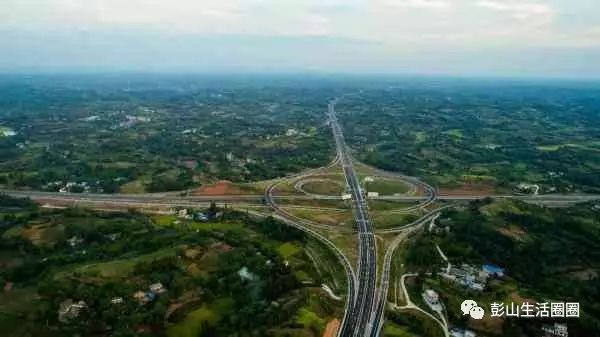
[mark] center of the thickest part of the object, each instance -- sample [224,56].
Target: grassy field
[197,320]
[310,319]
[289,249]
[386,219]
[169,221]
[323,187]
[387,186]
[117,268]
[40,235]
[18,300]
[391,329]
[323,217]
[135,186]
[387,205]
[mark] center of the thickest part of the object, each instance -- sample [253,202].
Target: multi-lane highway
[185,200]
[358,322]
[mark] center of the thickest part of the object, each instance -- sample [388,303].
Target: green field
[117,268]
[288,249]
[198,320]
[323,187]
[387,186]
[387,219]
[391,329]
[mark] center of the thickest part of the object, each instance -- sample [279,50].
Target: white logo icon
[470,307]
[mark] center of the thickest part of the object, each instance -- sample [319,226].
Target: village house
[432,299]
[157,288]
[69,310]
[556,330]
[116,300]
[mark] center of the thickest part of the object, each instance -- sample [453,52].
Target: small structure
[69,310]
[183,213]
[199,216]
[157,288]
[346,196]
[431,296]
[75,241]
[144,297]
[246,275]
[528,188]
[369,180]
[139,296]
[556,330]
[432,299]
[116,300]
[492,270]
[372,194]
[471,276]
[458,332]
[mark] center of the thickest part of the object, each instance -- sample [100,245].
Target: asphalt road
[177,198]
[358,321]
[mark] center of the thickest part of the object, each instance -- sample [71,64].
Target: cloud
[423,4]
[393,29]
[523,11]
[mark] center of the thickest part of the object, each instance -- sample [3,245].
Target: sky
[522,38]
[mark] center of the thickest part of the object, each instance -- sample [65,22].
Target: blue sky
[457,37]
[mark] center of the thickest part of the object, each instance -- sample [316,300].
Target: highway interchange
[365,302]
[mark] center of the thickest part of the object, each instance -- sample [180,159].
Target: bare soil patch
[219,188]
[332,328]
[468,189]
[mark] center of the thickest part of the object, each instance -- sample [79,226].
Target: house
[69,310]
[143,297]
[199,216]
[458,332]
[492,270]
[116,300]
[246,275]
[139,295]
[432,299]
[157,288]
[75,241]
[556,330]
[431,296]
[183,213]
[468,276]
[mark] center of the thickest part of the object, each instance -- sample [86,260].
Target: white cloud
[524,11]
[422,4]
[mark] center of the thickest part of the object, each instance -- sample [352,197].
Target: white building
[556,330]
[431,296]
[456,332]
[69,310]
[116,300]
[157,288]
[372,194]
[346,196]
